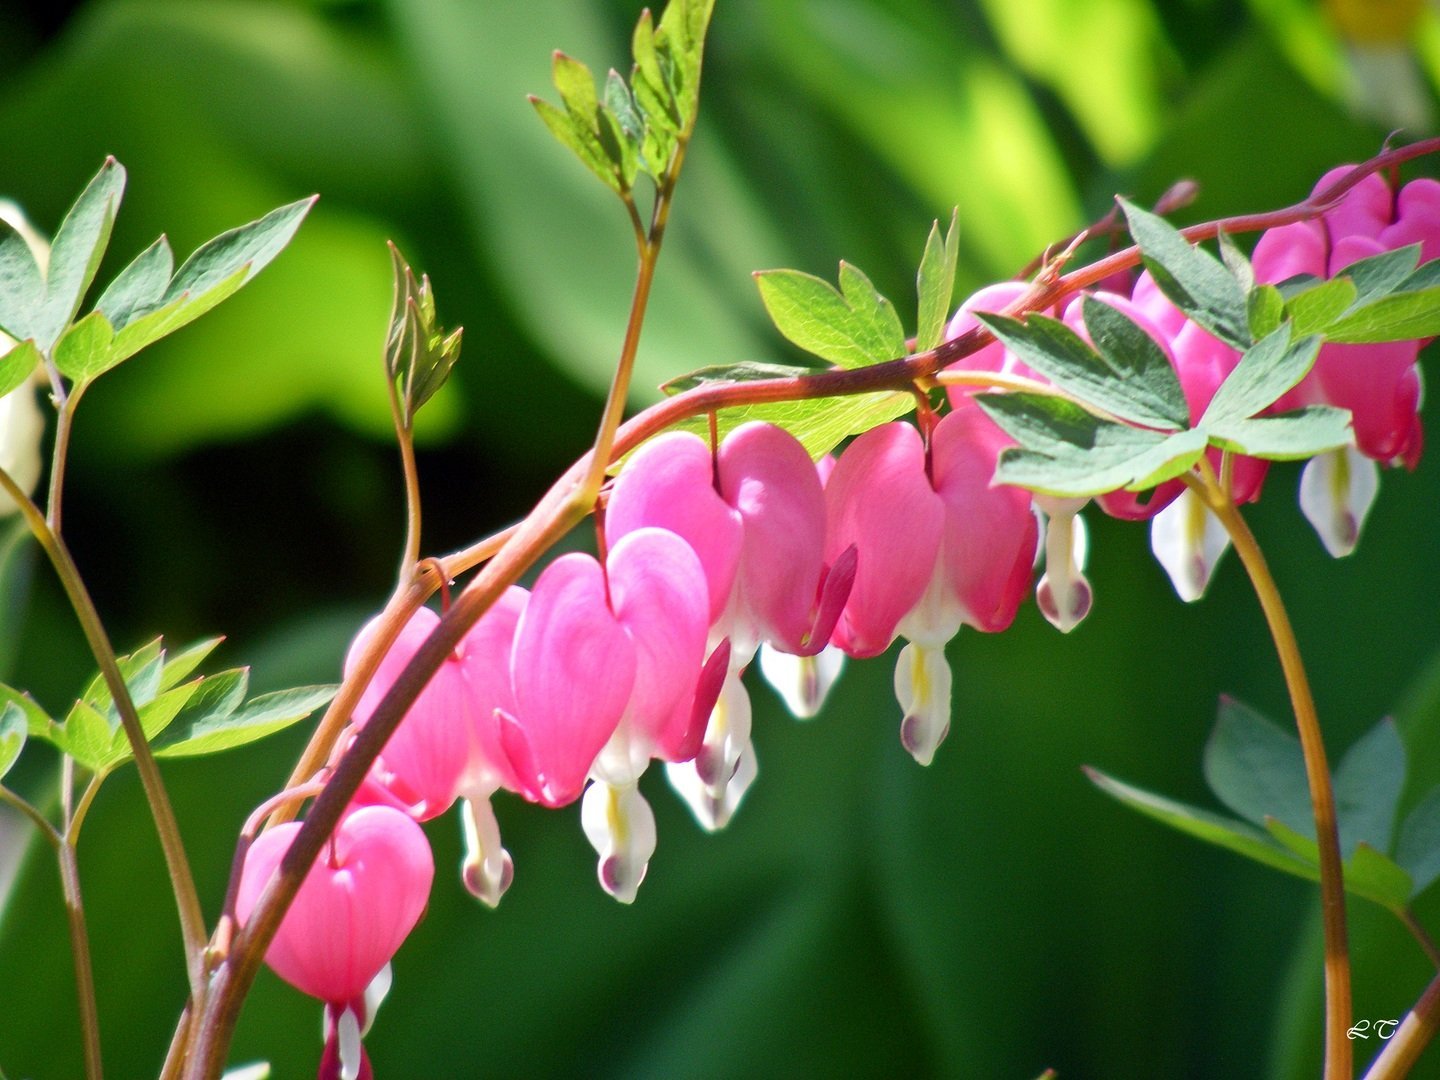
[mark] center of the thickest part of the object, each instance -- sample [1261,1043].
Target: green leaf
[149,328]
[817,317]
[1418,847]
[577,87]
[85,350]
[1257,769]
[1368,874]
[745,371]
[37,721]
[87,736]
[13,725]
[22,286]
[1381,275]
[180,664]
[820,425]
[1398,317]
[1367,788]
[223,730]
[1127,382]
[583,142]
[79,246]
[935,282]
[1292,436]
[17,365]
[1194,280]
[419,355]
[1265,309]
[244,250]
[1316,308]
[1225,832]
[1236,262]
[140,287]
[1266,371]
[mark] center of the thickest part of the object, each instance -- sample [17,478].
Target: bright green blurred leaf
[1265,309]
[1367,784]
[1418,847]
[819,424]
[1368,874]
[13,725]
[1397,317]
[38,722]
[17,365]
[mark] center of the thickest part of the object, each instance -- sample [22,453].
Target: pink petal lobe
[485,655]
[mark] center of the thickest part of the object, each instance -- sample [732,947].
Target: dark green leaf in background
[1256,769]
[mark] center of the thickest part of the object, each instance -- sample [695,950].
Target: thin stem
[65,418]
[1339,1063]
[412,504]
[1419,934]
[187,901]
[77,819]
[80,947]
[1410,1038]
[40,821]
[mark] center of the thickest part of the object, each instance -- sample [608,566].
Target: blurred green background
[990,916]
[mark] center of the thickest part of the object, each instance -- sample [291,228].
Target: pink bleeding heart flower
[572,671]
[1417,219]
[423,760]
[992,299]
[358,903]
[879,501]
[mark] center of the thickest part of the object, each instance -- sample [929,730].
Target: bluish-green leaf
[1133,355]
[1082,473]
[22,286]
[79,246]
[17,365]
[1266,371]
[37,721]
[1397,317]
[140,287]
[1225,832]
[13,725]
[1368,874]
[1195,281]
[745,371]
[84,350]
[1050,424]
[935,282]
[1236,261]
[1379,275]
[1418,847]
[248,248]
[1292,436]
[1367,787]
[1257,769]
[262,716]
[817,317]
[1314,309]
[1114,383]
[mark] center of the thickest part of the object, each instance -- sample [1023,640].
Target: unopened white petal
[1188,540]
[711,809]
[1336,492]
[801,681]
[1064,595]
[486,868]
[620,826]
[348,1032]
[21,427]
[923,688]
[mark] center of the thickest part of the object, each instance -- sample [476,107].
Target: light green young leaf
[86,736]
[13,726]
[935,282]
[1266,371]
[577,87]
[1397,317]
[140,287]
[264,715]
[1265,309]
[1195,281]
[22,286]
[818,318]
[819,425]
[84,350]
[1292,436]
[1368,874]
[1314,309]
[1418,847]
[419,355]
[17,365]
[180,664]
[1368,783]
[79,246]
[1225,832]
[583,142]
[1257,769]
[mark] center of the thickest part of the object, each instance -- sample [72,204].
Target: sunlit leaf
[851,329]
[13,727]
[1265,372]
[75,255]
[1292,436]
[935,282]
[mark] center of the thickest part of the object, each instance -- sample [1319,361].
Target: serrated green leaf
[935,282]
[248,248]
[815,316]
[1367,788]
[38,723]
[819,425]
[1256,768]
[1080,474]
[13,726]
[1397,317]
[1265,372]
[180,664]
[745,371]
[583,142]
[258,718]
[75,255]
[1147,375]
[140,287]
[1379,275]
[1368,874]
[1204,825]
[84,351]
[17,365]
[1265,309]
[1127,383]
[1292,436]
[1418,847]
[1314,309]
[22,286]
[1194,280]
